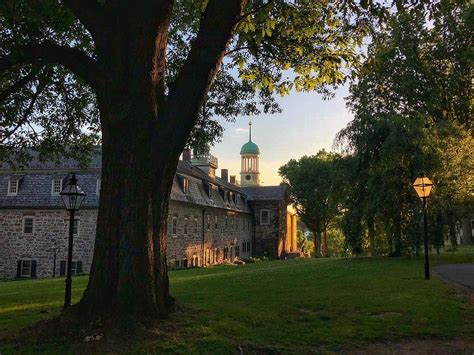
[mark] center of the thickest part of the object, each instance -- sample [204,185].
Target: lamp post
[423,186]
[72,196]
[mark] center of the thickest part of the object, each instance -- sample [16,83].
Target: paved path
[460,273]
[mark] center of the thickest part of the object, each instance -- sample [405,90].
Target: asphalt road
[461,273]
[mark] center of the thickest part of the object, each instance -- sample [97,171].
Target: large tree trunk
[143,134]
[452,230]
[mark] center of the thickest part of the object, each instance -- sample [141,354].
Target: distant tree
[314,185]
[407,121]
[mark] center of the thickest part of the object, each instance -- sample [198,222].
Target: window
[248,224]
[226,221]
[209,190]
[264,217]
[185,263]
[12,187]
[97,189]
[215,222]
[208,222]
[237,250]
[185,226]
[26,268]
[195,261]
[174,226]
[226,253]
[75,227]
[185,185]
[57,186]
[76,268]
[244,247]
[28,225]
[177,263]
[195,225]
[231,196]
[248,246]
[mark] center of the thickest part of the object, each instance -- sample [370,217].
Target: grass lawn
[325,304]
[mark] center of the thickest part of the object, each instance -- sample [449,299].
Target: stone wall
[184,249]
[270,239]
[50,233]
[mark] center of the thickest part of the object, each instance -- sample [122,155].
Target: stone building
[211,219]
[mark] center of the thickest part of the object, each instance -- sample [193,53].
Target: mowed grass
[308,303]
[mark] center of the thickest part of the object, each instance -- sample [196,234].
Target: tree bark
[317,243]
[397,234]
[452,230]
[325,243]
[371,234]
[143,135]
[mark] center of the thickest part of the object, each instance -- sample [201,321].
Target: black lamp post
[423,186]
[72,196]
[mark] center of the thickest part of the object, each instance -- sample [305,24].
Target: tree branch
[42,84]
[91,14]
[73,59]
[17,85]
[189,90]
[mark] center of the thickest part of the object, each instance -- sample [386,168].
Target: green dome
[250,148]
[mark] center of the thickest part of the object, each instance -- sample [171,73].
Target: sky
[307,124]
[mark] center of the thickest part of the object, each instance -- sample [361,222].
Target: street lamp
[72,196]
[423,186]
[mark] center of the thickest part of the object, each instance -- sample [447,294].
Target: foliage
[278,46]
[406,122]
[314,184]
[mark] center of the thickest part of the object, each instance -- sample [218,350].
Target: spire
[250,130]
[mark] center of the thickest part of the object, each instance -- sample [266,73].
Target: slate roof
[266,193]
[36,185]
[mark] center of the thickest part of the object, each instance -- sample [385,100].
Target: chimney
[225,174]
[232,179]
[187,154]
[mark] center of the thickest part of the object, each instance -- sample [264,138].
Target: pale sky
[307,124]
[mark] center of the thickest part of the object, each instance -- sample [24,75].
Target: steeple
[250,130]
[250,155]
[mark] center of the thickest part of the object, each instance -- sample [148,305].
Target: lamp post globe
[72,196]
[423,186]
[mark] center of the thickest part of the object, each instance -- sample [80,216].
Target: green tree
[138,78]
[314,185]
[406,122]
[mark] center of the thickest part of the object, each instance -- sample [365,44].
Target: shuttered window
[76,268]
[26,268]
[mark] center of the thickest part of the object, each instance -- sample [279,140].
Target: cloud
[240,131]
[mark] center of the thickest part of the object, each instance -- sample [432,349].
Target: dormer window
[13,187]
[209,190]
[231,196]
[185,185]
[56,186]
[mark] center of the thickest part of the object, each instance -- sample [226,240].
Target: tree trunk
[397,234]
[452,230]
[317,243]
[325,243]
[143,134]
[371,234]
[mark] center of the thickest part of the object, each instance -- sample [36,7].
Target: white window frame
[97,186]
[174,226]
[262,223]
[24,225]
[12,183]
[53,192]
[22,267]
